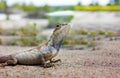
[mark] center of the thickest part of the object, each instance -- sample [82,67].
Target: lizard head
[59,33]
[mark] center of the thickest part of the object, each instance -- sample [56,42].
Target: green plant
[13,32]
[72,41]
[12,43]
[83,42]
[93,33]
[81,31]
[102,32]
[98,8]
[28,41]
[110,33]
[29,30]
[55,19]
[92,43]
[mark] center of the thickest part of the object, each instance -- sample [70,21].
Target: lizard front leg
[44,64]
[54,61]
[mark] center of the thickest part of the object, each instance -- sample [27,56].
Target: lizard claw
[54,61]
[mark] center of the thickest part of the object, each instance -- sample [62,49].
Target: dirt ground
[102,63]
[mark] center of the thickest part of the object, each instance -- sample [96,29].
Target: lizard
[42,53]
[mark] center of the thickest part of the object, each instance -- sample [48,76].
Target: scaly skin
[42,53]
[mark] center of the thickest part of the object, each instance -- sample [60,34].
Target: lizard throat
[56,46]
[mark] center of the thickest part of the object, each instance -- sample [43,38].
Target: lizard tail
[3,59]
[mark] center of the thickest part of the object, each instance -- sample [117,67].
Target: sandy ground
[102,63]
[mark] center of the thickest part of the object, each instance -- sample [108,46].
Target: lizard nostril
[64,24]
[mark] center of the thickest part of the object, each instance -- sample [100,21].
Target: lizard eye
[58,26]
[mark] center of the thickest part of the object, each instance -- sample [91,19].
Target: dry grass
[103,63]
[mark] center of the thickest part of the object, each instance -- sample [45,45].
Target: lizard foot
[54,61]
[49,65]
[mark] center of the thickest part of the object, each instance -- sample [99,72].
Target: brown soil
[102,63]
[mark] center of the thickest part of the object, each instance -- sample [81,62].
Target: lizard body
[42,53]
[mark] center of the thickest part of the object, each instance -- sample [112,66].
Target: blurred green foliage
[29,30]
[102,32]
[98,8]
[73,41]
[13,32]
[92,43]
[31,7]
[2,5]
[28,41]
[29,36]
[92,7]
[89,38]
[25,7]
[70,41]
[80,32]
[93,33]
[55,19]
[110,33]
